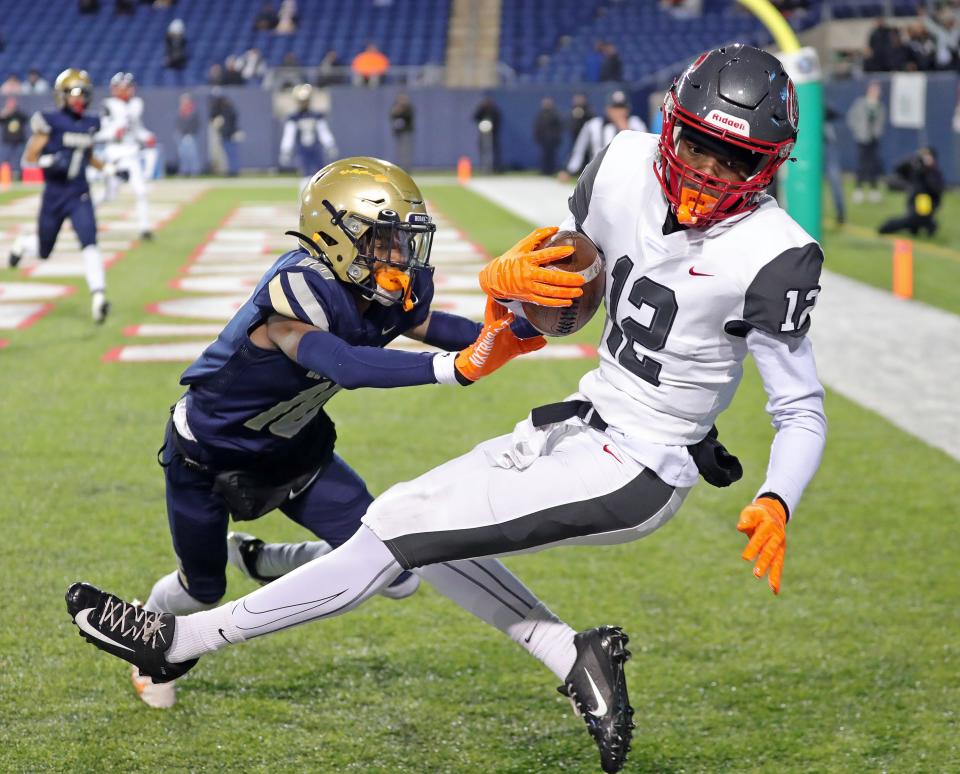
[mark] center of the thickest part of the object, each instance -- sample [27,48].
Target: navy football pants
[58,205]
[331,508]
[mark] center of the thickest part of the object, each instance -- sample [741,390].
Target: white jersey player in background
[702,268]
[129,145]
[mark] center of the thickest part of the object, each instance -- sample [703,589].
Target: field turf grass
[854,668]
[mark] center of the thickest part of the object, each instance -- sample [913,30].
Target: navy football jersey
[250,400]
[70,140]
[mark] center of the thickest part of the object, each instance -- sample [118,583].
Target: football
[584,260]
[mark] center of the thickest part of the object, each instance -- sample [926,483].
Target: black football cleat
[13,260]
[243,550]
[126,631]
[146,236]
[597,688]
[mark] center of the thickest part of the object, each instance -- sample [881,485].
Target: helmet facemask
[697,198]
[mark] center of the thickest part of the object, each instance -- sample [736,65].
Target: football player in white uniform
[129,145]
[702,268]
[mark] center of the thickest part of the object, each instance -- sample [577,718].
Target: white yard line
[898,358]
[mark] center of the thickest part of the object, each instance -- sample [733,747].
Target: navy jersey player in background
[307,138]
[62,145]
[251,434]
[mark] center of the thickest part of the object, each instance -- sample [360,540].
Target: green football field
[855,667]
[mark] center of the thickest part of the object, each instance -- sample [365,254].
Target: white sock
[278,559]
[143,212]
[93,268]
[26,246]
[328,586]
[491,592]
[169,596]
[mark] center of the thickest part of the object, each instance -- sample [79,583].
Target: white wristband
[443,368]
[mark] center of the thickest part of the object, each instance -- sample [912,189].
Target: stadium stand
[53,34]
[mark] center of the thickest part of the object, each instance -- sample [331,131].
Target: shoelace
[132,621]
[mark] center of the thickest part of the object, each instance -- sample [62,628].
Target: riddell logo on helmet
[726,121]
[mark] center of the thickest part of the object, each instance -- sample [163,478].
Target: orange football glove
[495,346]
[517,274]
[764,521]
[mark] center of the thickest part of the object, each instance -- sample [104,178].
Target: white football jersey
[124,118]
[679,305]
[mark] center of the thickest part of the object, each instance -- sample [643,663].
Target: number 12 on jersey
[656,306]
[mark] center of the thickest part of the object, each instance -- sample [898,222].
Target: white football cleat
[156,695]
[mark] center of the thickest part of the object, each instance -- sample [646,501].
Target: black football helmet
[737,100]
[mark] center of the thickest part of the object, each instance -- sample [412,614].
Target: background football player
[62,145]
[128,144]
[702,268]
[307,138]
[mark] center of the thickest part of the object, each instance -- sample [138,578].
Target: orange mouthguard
[391,279]
[694,203]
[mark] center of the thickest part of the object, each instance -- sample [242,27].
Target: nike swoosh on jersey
[80,619]
[601,709]
[695,273]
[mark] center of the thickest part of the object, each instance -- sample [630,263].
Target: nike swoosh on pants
[81,620]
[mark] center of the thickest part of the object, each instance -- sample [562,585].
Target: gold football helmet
[302,95]
[72,83]
[365,218]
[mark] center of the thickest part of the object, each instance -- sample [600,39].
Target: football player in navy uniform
[62,145]
[307,138]
[702,268]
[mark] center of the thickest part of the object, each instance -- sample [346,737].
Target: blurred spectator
[13,85]
[267,19]
[882,48]
[401,127]
[175,45]
[223,121]
[920,175]
[548,134]
[328,70]
[831,159]
[35,83]
[124,7]
[287,18]
[597,133]
[580,113]
[946,34]
[921,49]
[487,119]
[370,65]
[684,9]
[188,128]
[232,74]
[215,75]
[594,62]
[867,119]
[252,64]
[612,67]
[88,6]
[286,76]
[13,126]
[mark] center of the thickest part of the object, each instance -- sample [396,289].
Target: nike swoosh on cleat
[694,273]
[601,709]
[385,331]
[80,619]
